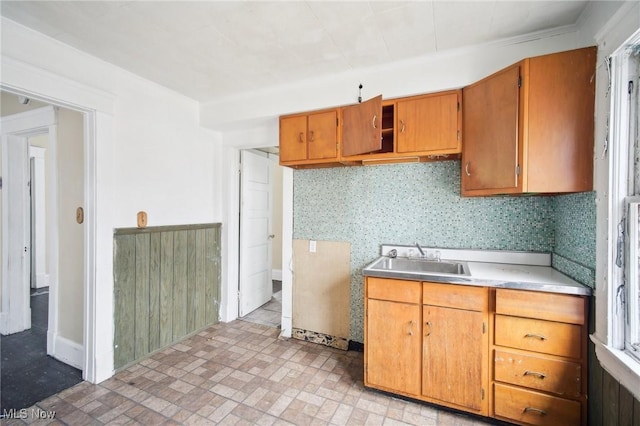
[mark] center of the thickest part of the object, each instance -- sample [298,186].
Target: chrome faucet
[420,249]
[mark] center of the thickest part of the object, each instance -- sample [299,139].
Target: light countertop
[491,268]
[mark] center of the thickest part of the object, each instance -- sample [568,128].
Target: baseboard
[4,323]
[276,274]
[68,352]
[42,280]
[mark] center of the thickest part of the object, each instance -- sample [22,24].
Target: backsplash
[574,251]
[404,203]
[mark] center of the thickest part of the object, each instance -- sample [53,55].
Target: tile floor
[268,314]
[238,373]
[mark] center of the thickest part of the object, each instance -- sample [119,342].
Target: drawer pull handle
[537,336]
[411,328]
[428,323]
[535,410]
[535,373]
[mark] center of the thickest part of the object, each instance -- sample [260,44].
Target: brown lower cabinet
[515,355]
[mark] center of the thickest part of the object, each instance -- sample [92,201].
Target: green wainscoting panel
[167,286]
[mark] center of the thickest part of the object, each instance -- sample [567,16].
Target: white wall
[150,154]
[70,194]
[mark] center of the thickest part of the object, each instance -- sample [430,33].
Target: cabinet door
[362,127]
[322,135]
[393,346]
[428,124]
[452,356]
[293,138]
[490,128]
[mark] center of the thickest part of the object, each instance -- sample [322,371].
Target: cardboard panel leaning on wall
[321,289]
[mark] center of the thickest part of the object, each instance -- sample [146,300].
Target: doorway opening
[260,269]
[43,251]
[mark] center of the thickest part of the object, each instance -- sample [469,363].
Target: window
[624,185]
[632,207]
[632,296]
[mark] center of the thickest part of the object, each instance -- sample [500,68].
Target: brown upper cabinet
[529,128]
[429,124]
[309,138]
[416,128]
[362,127]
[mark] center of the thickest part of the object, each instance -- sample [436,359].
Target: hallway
[28,375]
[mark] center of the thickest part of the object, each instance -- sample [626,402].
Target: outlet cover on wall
[312,246]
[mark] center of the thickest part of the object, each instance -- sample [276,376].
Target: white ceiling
[209,49]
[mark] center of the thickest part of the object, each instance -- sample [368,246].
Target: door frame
[243,279]
[16,295]
[38,219]
[231,241]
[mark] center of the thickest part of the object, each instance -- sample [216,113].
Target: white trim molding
[98,107]
[619,365]
[66,350]
[276,274]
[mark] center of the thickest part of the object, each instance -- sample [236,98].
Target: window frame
[610,347]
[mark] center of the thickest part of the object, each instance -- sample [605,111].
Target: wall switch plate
[312,246]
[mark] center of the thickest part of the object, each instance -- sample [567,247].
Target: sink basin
[419,266]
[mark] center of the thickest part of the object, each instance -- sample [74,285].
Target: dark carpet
[28,374]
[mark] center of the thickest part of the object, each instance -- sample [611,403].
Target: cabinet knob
[373,121]
[411,328]
[402,126]
[466,168]
[311,136]
[428,324]
[301,137]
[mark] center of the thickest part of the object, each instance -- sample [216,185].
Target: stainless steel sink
[419,266]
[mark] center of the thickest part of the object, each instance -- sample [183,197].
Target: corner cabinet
[514,355]
[529,128]
[309,138]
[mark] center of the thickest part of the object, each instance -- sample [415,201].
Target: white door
[17,219]
[255,231]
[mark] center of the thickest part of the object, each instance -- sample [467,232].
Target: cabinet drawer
[538,372]
[394,290]
[534,408]
[455,296]
[555,338]
[539,305]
